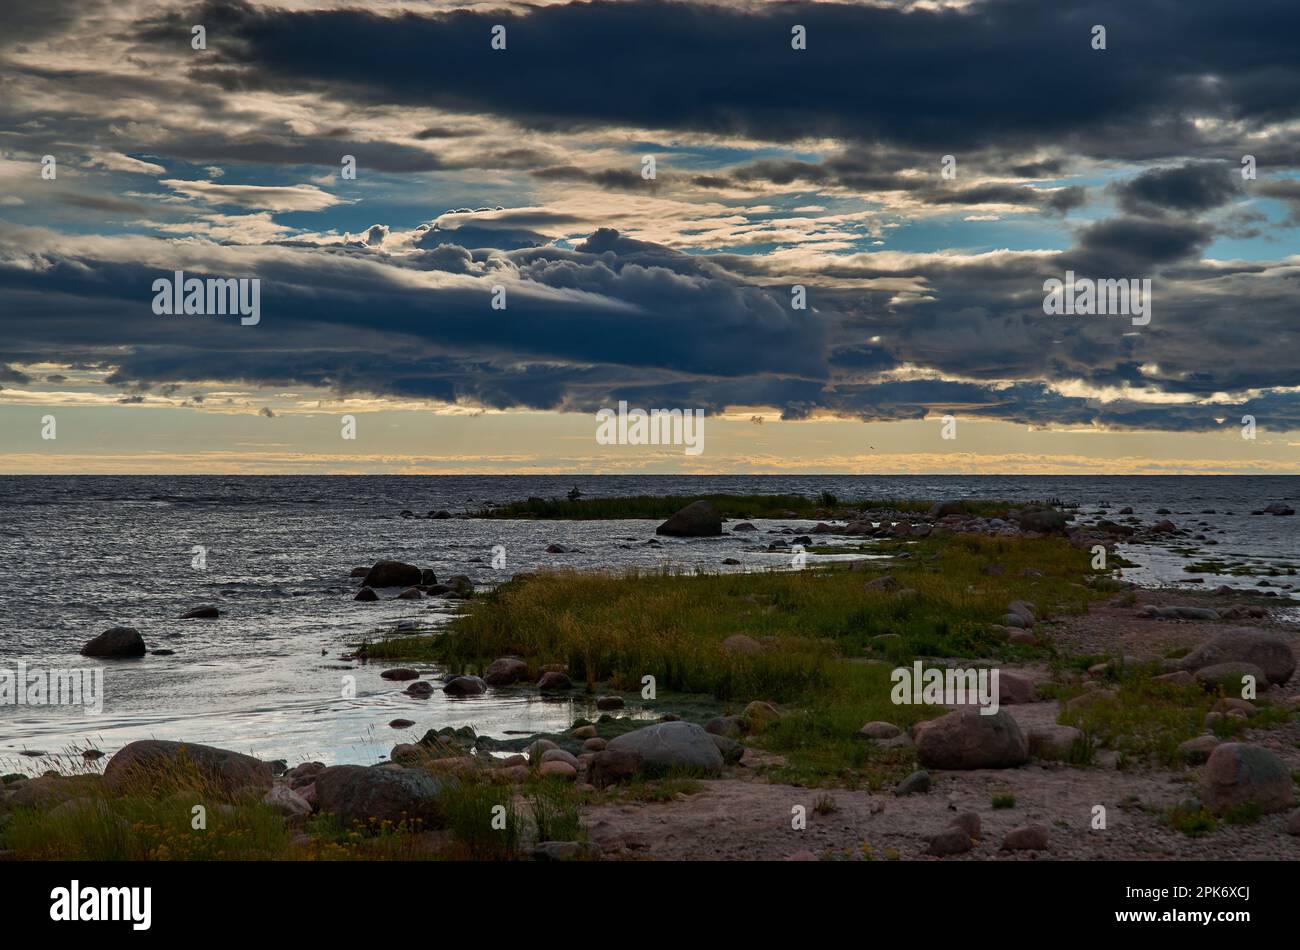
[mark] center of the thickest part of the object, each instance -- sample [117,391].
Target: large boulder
[505,672]
[698,519]
[1238,774]
[150,764]
[669,746]
[393,574]
[966,739]
[1264,649]
[360,795]
[464,686]
[116,643]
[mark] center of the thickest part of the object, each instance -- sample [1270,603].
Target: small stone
[918,783]
[949,841]
[558,769]
[1026,838]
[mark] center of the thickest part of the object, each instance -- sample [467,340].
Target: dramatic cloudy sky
[775,167]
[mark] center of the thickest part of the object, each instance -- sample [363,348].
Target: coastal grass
[616,629]
[100,827]
[821,644]
[1141,719]
[825,505]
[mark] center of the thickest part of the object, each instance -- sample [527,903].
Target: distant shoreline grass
[824,506]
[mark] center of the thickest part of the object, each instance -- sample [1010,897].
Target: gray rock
[1238,774]
[1267,650]
[668,746]
[1230,676]
[1026,838]
[359,795]
[966,739]
[151,764]
[949,841]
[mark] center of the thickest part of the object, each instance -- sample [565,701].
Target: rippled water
[81,554]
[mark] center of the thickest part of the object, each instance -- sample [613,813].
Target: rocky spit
[987,787]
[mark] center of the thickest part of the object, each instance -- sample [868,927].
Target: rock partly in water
[116,643]
[464,686]
[554,680]
[201,613]
[697,520]
[505,671]
[393,574]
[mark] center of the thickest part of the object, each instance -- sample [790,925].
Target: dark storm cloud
[616,317]
[1116,246]
[1190,189]
[1000,73]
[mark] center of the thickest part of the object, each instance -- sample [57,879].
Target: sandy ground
[743,817]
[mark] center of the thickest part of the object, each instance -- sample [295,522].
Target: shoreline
[1128,634]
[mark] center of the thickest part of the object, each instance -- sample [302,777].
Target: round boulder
[967,739]
[668,746]
[1238,774]
[116,643]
